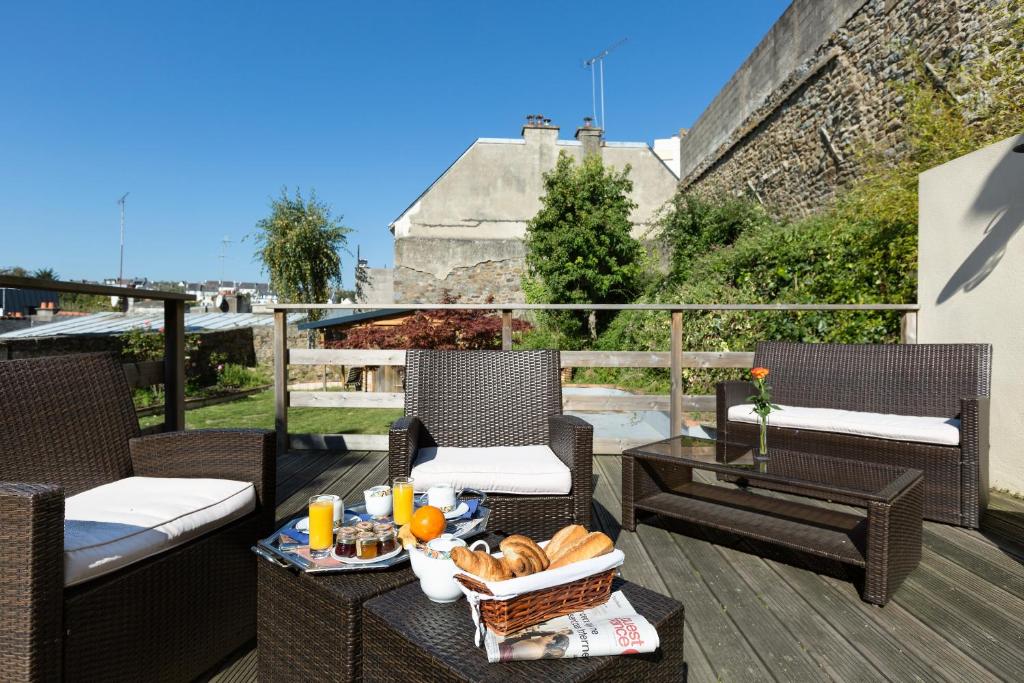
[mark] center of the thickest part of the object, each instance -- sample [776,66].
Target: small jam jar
[366,545]
[381,527]
[346,545]
[364,526]
[388,542]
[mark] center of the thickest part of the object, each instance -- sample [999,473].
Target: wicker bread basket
[515,614]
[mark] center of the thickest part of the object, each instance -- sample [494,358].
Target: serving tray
[287,551]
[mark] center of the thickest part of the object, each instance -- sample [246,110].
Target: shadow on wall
[1002,198]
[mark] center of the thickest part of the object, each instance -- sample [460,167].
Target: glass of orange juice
[402,492]
[321,526]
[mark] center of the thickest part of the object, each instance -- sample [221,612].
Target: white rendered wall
[971,281]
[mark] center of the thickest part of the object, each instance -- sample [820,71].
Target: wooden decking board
[883,636]
[959,617]
[731,658]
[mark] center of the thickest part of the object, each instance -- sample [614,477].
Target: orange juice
[321,526]
[402,501]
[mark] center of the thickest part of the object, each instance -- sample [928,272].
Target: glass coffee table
[885,541]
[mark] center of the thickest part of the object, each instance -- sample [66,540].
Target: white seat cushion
[498,469]
[117,524]
[920,429]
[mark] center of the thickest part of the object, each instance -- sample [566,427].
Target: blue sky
[203,111]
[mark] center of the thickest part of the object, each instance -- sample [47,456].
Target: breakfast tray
[285,551]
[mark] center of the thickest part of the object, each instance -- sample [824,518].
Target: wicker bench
[939,380]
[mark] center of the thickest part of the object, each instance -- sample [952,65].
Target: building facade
[465,233]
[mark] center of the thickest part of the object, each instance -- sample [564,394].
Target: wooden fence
[170,371]
[675,359]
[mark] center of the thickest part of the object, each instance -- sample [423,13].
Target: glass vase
[762,446]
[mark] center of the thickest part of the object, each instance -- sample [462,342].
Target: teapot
[432,564]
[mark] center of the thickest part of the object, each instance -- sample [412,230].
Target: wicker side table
[406,637]
[309,626]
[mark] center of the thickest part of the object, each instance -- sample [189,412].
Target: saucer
[356,560]
[303,524]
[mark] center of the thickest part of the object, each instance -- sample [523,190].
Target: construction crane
[589,64]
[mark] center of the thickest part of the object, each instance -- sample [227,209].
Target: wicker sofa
[947,386]
[497,408]
[68,431]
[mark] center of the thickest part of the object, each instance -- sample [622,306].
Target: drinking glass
[321,526]
[401,490]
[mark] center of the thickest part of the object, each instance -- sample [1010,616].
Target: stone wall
[263,346]
[472,270]
[811,124]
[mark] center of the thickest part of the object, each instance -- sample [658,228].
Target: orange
[427,523]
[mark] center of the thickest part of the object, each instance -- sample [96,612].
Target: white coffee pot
[433,565]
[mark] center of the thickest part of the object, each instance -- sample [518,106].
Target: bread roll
[593,544]
[523,556]
[480,564]
[561,541]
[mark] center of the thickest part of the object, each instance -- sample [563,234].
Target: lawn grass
[258,411]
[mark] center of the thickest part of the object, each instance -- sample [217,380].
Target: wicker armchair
[67,425]
[941,380]
[497,398]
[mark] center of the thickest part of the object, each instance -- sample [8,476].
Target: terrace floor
[958,617]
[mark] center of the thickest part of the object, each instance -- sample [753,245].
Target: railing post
[506,330]
[281,380]
[174,365]
[676,375]
[908,328]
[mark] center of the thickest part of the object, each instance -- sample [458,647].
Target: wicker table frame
[886,543]
[406,637]
[309,626]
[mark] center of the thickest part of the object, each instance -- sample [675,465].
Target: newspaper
[614,628]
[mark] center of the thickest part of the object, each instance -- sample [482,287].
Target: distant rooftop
[117,323]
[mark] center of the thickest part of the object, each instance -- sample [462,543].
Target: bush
[231,376]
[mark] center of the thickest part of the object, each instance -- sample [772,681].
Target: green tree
[45,274]
[299,244]
[579,248]
[16,271]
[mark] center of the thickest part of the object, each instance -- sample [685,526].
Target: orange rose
[759,373]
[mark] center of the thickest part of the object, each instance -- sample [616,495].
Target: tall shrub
[579,248]
[299,245]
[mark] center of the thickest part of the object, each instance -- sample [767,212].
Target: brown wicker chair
[497,398]
[67,424]
[941,380]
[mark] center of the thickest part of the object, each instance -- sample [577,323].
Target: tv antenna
[224,244]
[120,268]
[598,59]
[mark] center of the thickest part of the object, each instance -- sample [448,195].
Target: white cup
[444,497]
[378,500]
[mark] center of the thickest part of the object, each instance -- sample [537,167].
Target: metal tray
[278,549]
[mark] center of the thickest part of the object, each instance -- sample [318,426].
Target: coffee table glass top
[790,466]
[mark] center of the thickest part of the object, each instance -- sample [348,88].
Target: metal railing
[676,359]
[170,371]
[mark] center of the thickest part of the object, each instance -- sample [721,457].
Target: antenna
[120,268]
[224,244]
[589,64]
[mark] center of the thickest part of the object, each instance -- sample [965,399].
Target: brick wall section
[805,142]
[499,279]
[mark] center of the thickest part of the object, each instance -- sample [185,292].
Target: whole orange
[427,523]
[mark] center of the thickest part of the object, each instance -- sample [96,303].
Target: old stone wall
[472,270]
[813,124]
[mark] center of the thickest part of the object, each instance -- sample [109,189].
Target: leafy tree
[445,329]
[45,274]
[579,248]
[16,271]
[299,246]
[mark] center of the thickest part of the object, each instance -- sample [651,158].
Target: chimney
[540,129]
[590,136]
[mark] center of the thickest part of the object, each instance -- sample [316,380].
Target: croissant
[593,544]
[478,563]
[562,540]
[523,556]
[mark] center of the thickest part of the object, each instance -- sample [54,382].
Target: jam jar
[346,544]
[366,545]
[388,542]
[364,526]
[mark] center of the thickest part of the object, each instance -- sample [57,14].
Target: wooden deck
[959,617]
